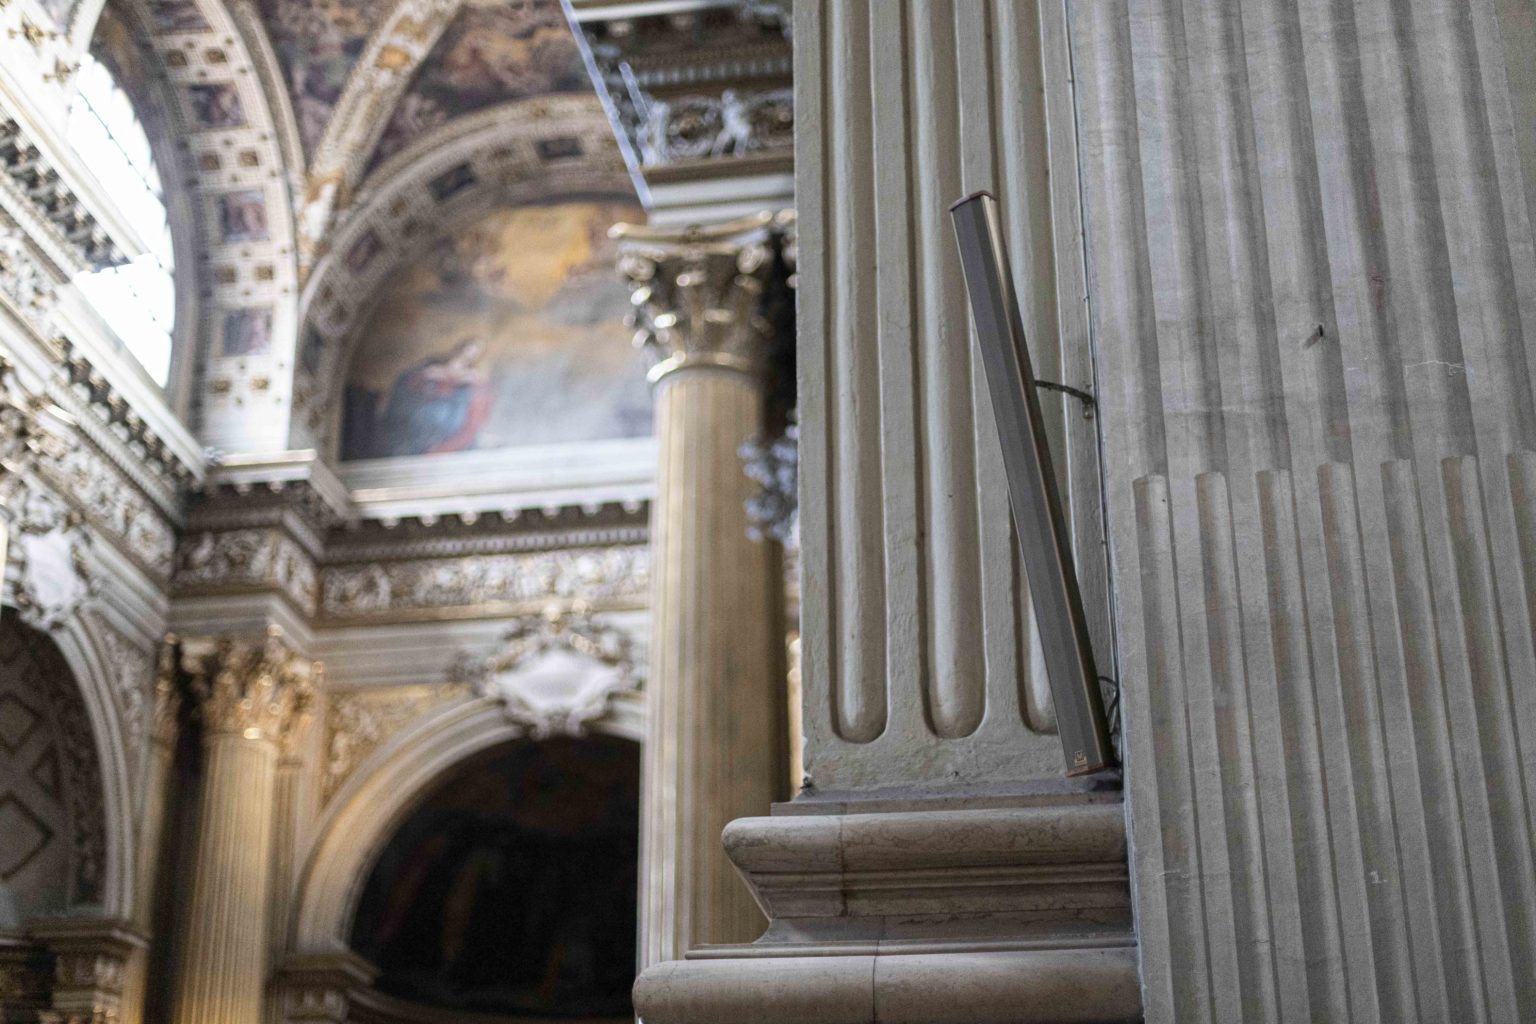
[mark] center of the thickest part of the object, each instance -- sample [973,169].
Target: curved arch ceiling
[324,108]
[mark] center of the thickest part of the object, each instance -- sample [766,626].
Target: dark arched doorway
[52,826]
[510,890]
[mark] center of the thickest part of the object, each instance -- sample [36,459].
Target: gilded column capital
[707,296]
[255,689]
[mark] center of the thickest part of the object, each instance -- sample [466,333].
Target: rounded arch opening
[509,887]
[53,836]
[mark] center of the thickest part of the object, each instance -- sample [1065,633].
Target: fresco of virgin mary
[439,404]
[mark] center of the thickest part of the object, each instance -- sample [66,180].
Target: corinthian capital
[709,297]
[255,689]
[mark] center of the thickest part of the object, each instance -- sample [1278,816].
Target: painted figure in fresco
[440,404]
[217,106]
[244,215]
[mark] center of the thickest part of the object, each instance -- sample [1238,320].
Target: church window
[137,299]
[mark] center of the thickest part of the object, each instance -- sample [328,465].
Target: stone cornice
[171,459]
[700,84]
[33,190]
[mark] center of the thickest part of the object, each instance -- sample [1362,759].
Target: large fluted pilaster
[938,867]
[250,695]
[1312,267]
[715,739]
[151,823]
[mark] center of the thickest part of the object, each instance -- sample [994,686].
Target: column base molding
[934,912]
[318,987]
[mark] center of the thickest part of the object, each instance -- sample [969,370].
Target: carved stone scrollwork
[701,295]
[731,124]
[555,673]
[358,723]
[257,690]
[421,586]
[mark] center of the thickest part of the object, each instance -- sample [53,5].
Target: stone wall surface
[1314,295]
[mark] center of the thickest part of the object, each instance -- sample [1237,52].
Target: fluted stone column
[715,734]
[151,823]
[250,695]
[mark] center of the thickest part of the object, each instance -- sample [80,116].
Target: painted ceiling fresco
[511,890]
[507,333]
[317,43]
[494,51]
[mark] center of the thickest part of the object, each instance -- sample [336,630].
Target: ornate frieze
[252,688]
[707,296]
[555,672]
[485,584]
[452,536]
[358,722]
[711,127]
[242,560]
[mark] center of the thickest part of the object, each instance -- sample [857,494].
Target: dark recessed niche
[511,888]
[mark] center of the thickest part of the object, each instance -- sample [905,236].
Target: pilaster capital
[707,296]
[256,689]
[167,708]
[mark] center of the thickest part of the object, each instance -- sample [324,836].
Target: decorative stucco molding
[358,722]
[489,584]
[242,560]
[555,673]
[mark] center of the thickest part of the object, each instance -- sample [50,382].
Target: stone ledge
[1061,986]
[879,875]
